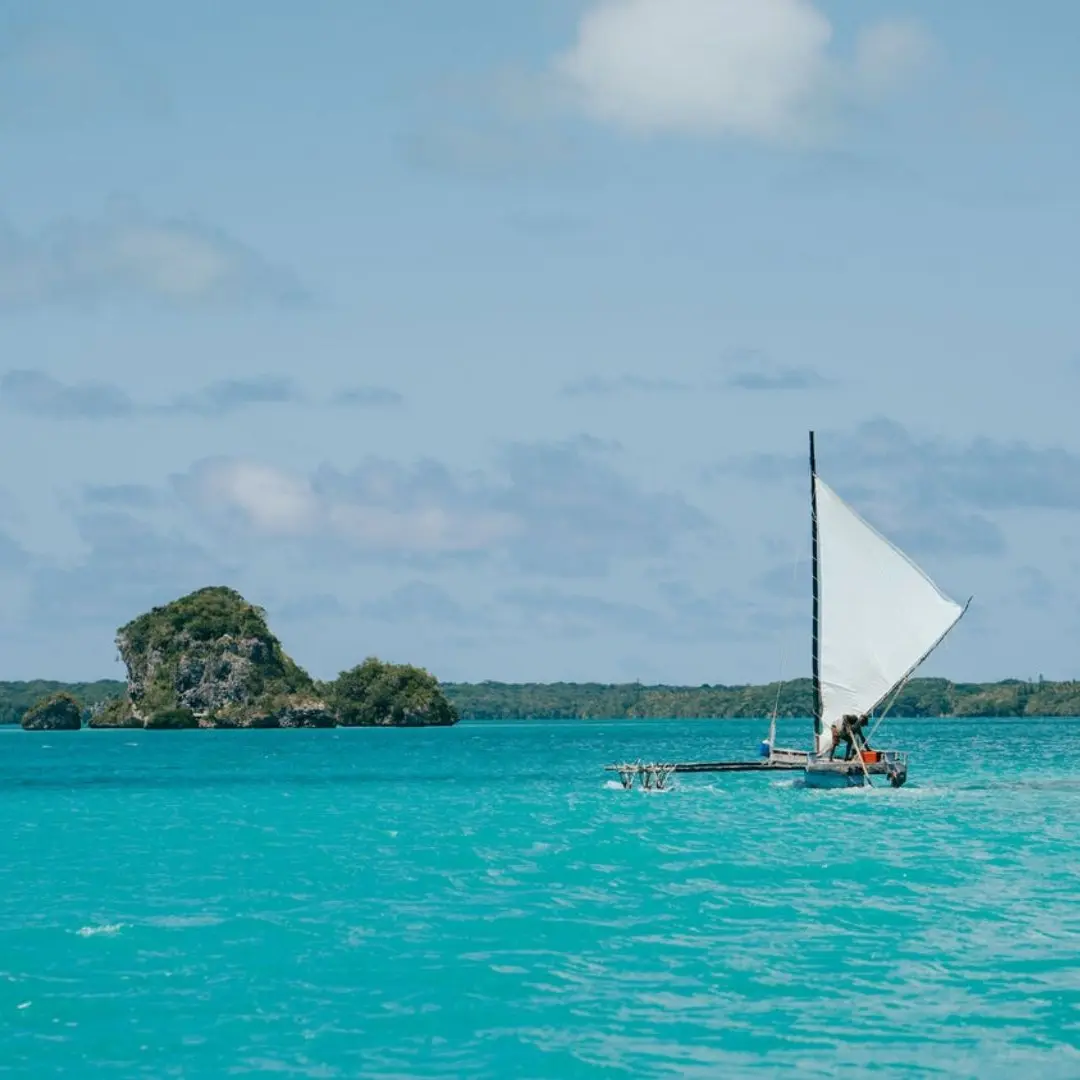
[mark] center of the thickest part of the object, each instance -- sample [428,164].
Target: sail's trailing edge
[877,616]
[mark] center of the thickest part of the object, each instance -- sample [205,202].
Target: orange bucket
[871,757]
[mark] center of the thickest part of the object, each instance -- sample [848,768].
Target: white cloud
[557,508]
[172,262]
[427,529]
[268,499]
[752,68]
[273,502]
[127,253]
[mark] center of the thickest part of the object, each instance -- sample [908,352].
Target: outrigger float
[876,618]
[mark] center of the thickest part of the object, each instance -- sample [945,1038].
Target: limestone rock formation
[117,713]
[209,659]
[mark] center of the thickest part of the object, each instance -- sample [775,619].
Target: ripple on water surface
[478,902]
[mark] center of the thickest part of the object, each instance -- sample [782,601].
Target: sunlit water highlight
[479,903]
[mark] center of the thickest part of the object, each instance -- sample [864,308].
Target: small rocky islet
[209,660]
[55,712]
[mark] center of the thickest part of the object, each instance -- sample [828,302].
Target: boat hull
[820,776]
[889,764]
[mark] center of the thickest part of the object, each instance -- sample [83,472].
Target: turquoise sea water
[477,902]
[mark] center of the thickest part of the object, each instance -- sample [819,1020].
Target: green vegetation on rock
[57,712]
[379,694]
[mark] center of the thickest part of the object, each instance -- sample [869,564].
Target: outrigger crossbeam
[655,774]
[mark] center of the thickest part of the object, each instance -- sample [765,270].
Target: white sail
[879,614]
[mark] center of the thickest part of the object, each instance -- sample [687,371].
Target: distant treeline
[558,701]
[921,697]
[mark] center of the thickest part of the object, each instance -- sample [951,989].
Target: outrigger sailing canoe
[876,618]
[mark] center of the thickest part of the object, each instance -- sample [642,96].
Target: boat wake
[93,931]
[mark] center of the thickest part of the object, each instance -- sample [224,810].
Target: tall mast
[816,645]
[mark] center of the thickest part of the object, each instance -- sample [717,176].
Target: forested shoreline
[921,697]
[565,701]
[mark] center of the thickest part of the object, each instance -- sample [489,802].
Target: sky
[487,336]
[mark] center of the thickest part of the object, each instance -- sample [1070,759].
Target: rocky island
[209,660]
[56,712]
[389,695]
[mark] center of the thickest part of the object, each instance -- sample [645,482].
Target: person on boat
[850,732]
